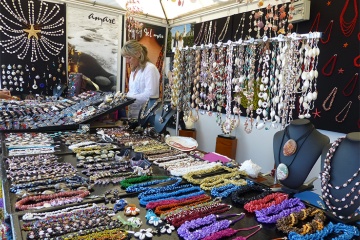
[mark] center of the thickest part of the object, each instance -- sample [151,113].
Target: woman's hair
[134,48]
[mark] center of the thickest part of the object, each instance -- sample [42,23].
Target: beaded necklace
[206,226]
[190,176]
[198,212]
[228,232]
[178,195]
[288,224]
[327,186]
[144,114]
[262,192]
[224,30]
[147,185]
[343,232]
[56,199]
[226,190]
[267,201]
[275,212]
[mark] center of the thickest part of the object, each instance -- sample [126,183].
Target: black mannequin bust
[343,167]
[163,116]
[300,155]
[147,112]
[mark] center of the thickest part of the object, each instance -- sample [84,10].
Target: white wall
[257,145]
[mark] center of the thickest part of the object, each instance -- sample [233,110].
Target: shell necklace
[290,148]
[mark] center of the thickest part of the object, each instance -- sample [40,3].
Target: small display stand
[226,145]
[188,133]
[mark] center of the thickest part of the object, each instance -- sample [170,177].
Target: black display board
[338,64]
[33,47]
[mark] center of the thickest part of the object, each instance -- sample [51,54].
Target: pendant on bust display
[161,120]
[282,171]
[289,147]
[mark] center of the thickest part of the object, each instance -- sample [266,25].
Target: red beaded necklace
[332,60]
[348,27]
[328,28]
[267,201]
[353,82]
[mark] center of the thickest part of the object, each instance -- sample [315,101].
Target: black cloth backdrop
[345,48]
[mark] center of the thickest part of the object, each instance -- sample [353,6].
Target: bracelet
[275,212]
[246,189]
[267,201]
[287,224]
[343,231]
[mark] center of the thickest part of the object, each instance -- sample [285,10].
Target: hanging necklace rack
[265,83]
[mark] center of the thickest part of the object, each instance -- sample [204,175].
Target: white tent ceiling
[172,8]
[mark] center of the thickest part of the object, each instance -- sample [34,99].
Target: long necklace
[224,30]
[353,81]
[347,28]
[326,184]
[347,107]
[290,148]
[144,114]
[331,95]
[332,60]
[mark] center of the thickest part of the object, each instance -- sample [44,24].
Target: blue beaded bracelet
[173,195]
[347,233]
[226,190]
[140,187]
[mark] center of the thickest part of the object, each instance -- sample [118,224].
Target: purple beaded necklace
[202,227]
[275,212]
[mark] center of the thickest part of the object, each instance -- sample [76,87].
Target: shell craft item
[290,147]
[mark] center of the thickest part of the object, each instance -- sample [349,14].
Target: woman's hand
[5,94]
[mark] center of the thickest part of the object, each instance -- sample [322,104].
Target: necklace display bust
[296,150]
[340,176]
[163,116]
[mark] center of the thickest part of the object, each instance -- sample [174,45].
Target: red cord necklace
[356,61]
[332,60]
[316,22]
[353,80]
[329,27]
[348,27]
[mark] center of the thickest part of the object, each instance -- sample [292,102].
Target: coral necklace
[348,27]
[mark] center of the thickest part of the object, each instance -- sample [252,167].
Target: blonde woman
[144,77]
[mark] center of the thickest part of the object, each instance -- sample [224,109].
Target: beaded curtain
[338,101]
[33,46]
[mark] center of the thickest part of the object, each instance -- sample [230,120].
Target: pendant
[282,172]
[289,147]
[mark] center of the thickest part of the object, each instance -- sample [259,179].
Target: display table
[98,196]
